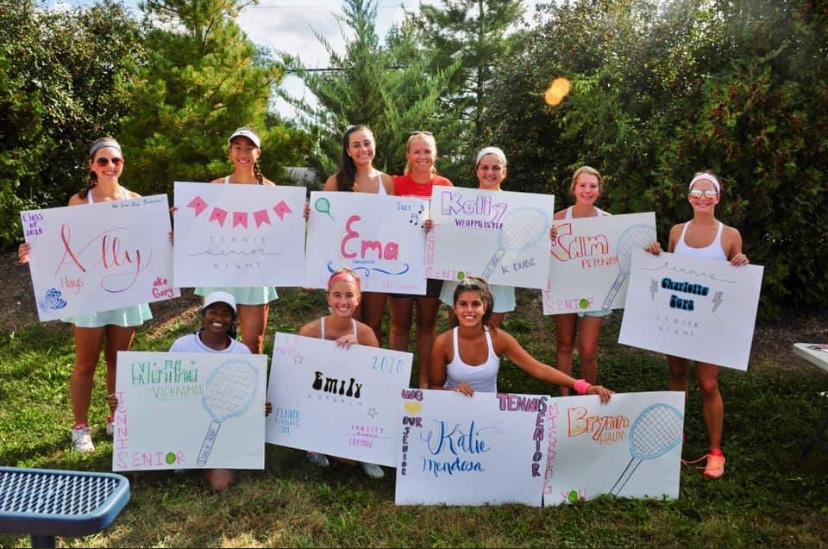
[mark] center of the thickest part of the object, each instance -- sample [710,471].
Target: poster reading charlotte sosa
[239,235]
[379,237]
[591,261]
[337,401]
[501,236]
[699,309]
[459,450]
[99,257]
[189,411]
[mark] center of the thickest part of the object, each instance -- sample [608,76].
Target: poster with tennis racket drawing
[694,308]
[381,238]
[99,257]
[590,262]
[458,450]
[239,235]
[336,401]
[189,411]
[629,447]
[499,235]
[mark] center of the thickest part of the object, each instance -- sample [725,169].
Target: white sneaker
[320,460]
[82,439]
[372,470]
[110,428]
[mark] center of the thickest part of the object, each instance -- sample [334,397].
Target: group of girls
[466,358]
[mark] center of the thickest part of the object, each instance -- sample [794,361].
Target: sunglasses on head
[417,132]
[103,161]
[698,193]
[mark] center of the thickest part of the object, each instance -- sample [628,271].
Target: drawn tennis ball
[584,303]
[461,275]
[170,458]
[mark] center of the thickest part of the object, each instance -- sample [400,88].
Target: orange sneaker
[715,465]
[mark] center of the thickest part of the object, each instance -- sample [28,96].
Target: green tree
[203,78]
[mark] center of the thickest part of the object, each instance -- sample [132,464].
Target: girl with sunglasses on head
[356,173]
[245,149]
[587,187]
[116,327]
[419,178]
[706,237]
[467,357]
[491,171]
[343,296]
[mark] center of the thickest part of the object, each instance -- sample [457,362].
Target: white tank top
[322,328]
[599,212]
[91,200]
[483,377]
[227,181]
[380,186]
[712,251]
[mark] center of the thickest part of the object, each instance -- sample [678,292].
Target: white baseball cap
[220,297]
[248,133]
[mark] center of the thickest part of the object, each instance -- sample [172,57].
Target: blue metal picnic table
[46,503]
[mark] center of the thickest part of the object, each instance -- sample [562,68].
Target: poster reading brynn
[699,309]
[381,238]
[499,235]
[459,450]
[239,235]
[99,257]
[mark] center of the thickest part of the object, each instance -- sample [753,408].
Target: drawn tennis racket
[655,431]
[633,238]
[228,393]
[521,230]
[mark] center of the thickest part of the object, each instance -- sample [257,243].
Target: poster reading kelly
[699,309]
[99,257]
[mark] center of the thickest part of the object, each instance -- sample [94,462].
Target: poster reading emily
[99,257]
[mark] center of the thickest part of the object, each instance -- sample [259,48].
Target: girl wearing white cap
[117,327]
[491,171]
[253,302]
[707,237]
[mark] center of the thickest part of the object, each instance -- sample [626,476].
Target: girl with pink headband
[707,237]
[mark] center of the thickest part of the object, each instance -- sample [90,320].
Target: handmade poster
[591,261]
[336,401]
[380,237]
[189,411]
[499,235]
[629,447]
[239,235]
[699,309]
[459,450]
[99,257]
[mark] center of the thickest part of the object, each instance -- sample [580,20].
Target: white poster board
[336,401]
[380,237]
[189,411]
[499,235]
[459,450]
[699,309]
[99,257]
[591,261]
[239,235]
[629,447]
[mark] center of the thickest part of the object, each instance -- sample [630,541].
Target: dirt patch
[772,341]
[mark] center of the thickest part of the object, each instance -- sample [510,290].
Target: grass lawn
[769,496]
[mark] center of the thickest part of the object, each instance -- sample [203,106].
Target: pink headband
[343,275]
[708,176]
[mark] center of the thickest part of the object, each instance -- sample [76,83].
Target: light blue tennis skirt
[245,296]
[125,318]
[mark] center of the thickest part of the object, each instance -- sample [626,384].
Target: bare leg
[87,353]
[372,308]
[707,376]
[678,373]
[589,329]
[401,309]
[565,341]
[253,321]
[220,479]
[496,320]
[427,308]
[117,339]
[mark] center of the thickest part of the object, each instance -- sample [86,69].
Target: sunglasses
[104,161]
[698,193]
[418,132]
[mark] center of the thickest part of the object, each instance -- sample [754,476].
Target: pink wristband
[581,386]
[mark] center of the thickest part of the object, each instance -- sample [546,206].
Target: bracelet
[581,386]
